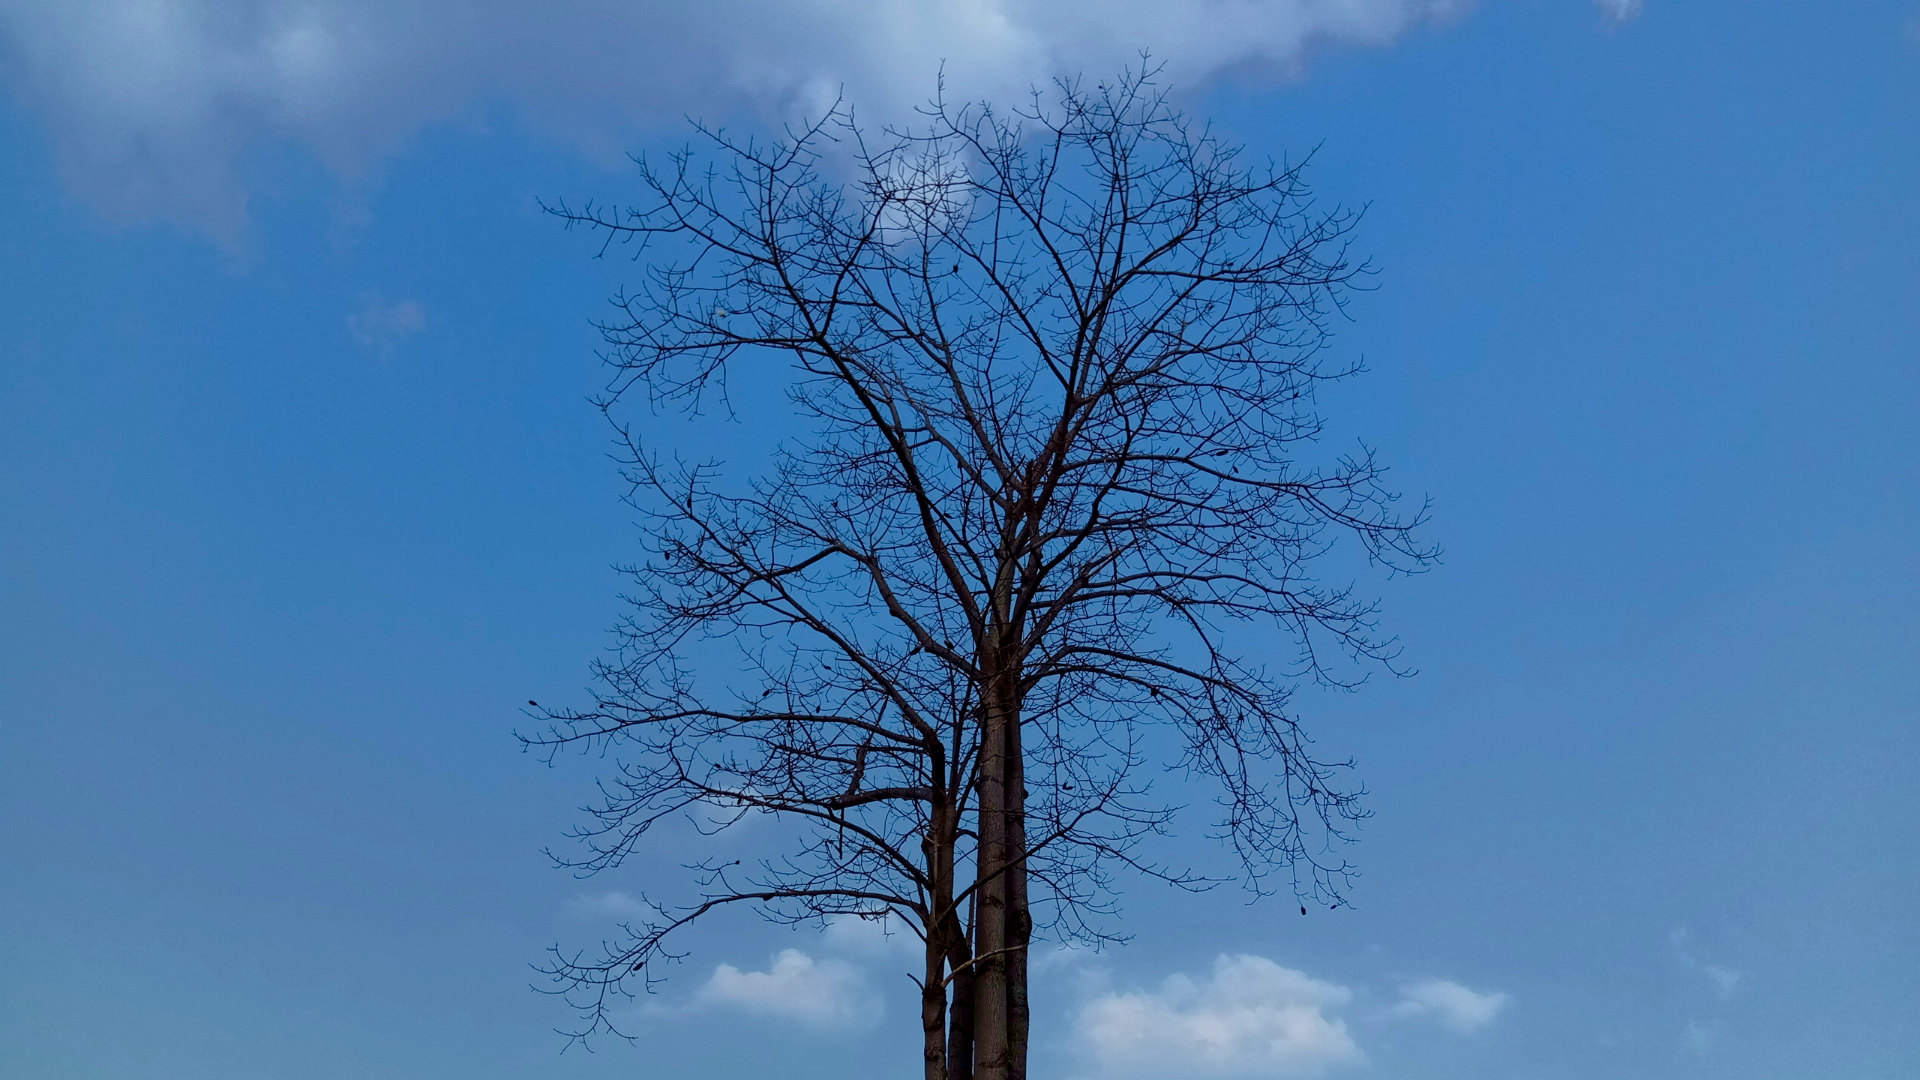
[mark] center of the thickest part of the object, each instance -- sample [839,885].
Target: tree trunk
[991,1047]
[1019,932]
[960,1020]
[933,1008]
[951,937]
[1003,925]
[938,845]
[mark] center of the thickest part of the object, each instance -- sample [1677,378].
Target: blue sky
[300,497]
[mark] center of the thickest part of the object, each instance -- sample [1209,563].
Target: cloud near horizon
[795,986]
[1248,1016]
[153,104]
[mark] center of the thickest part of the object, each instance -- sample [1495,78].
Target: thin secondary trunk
[960,1019]
[933,1008]
[949,936]
[939,844]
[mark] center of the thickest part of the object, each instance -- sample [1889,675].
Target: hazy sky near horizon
[300,498]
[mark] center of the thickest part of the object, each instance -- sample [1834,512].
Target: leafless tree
[1060,367]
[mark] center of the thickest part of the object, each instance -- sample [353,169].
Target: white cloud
[153,104]
[818,993]
[1249,1016]
[1619,11]
[1451,1003]
[380,324]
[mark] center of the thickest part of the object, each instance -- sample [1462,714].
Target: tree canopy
[1059,365]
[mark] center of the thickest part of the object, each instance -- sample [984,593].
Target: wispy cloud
[611,906]
[795,986]
[1698,1037]
[153,102]
[1619,11]
[1449,1002]
[381,324]
[1248,1016]
[1725,981]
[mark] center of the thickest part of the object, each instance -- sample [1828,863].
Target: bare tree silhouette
[1061,364]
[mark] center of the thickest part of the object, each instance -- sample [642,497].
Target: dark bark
[933,1007]
[996,866]
[1019,915]
[960,1029]
[942,1056]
